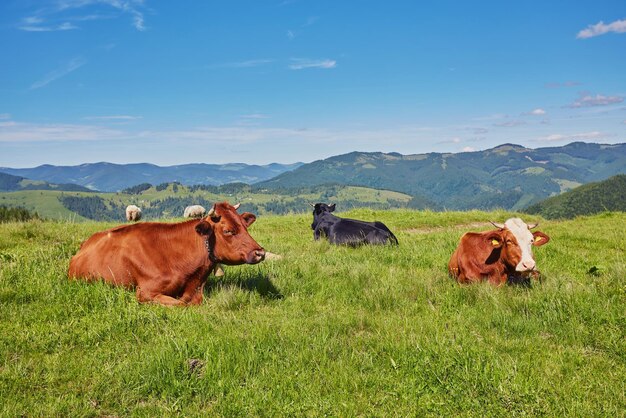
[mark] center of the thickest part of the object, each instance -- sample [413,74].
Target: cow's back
[102,255]
[121,255]
[474,260]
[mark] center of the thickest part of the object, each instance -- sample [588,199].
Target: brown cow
[496,255]
[168,263]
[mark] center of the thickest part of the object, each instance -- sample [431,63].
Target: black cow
[345,231]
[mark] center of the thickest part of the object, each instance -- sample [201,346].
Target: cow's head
[516,241]
[227,234]
[320,208]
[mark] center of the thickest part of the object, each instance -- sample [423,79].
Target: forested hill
[508,176]
[9,183]
[108,177]
[608,195]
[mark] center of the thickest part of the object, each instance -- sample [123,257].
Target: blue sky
[171,82]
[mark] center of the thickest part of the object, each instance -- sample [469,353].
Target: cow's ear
[331,208]
[204,228]
[494,240]
[248,218]
[540,238]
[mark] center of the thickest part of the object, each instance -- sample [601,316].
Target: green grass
[323,331]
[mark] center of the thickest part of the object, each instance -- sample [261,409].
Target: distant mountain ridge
[10,183]
[109,177]
[508,176]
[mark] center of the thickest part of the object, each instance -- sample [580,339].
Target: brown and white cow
[168,263]
[497,255]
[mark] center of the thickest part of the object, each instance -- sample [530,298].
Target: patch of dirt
[427,230]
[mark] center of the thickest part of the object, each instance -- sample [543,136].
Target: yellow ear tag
[537,239]
[495,242]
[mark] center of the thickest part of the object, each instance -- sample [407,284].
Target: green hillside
[324,331]
[608,195]
[508,176]
[169,200]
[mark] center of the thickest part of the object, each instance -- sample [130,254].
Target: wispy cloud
[557,85]
[588,100]
[242,64]
[455,140]
[63,14]
[255,116]
[495,116]
[71,66]
[5,116]
[302,64]
[31,132]
[536,112]
[37,24]
[601,28]
[572,137]
[113,118]
[509,124]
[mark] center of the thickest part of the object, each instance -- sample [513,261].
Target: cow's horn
[211,212]
[499,226]
[312,205]
[535,225]
[237,206]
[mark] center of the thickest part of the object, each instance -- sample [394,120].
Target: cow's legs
[144,297]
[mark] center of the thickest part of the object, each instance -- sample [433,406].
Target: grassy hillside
[608,195]
[324,331]
[508,176]
[170,200]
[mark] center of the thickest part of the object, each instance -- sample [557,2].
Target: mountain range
[508,176]
[108,177]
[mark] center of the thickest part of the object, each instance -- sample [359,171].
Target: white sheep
[194,211]
[133,213]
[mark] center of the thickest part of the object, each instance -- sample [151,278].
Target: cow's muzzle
[255,256]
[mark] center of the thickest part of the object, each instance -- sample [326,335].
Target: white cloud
[301,64]
[587,100]
[71,66]
[290,34]
[601,28]
[572,137]
[5,116]
[469,149]
[536,112]
[255,116]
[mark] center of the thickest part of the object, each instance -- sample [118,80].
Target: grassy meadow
[323,331]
